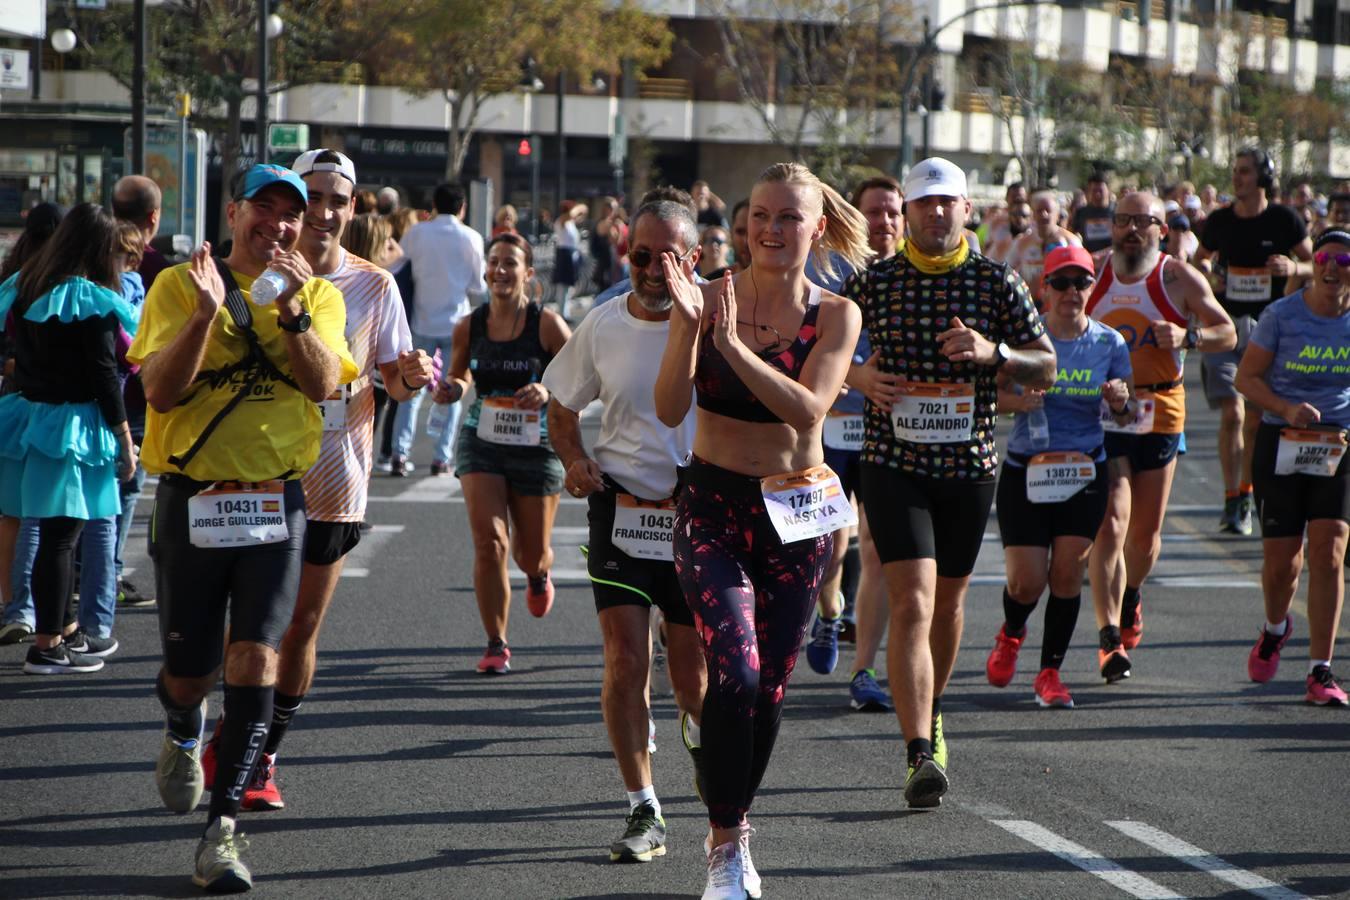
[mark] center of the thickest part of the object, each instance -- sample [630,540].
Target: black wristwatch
[1192,338]
[299,325]
[1001,354]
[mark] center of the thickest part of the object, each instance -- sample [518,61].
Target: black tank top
[720,390]
[504,367]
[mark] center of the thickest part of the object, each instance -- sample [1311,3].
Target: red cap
[1069,257]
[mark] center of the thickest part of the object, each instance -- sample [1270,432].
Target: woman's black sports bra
[720,390]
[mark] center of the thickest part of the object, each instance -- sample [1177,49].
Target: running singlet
[1072,405]
[1132,309]
[721,391]
[377,331]
[1312,359]
[1243,246]
[500,368]
[904,311]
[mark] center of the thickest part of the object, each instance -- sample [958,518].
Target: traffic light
[524,148]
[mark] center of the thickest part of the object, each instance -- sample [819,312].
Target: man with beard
[1019,222]
[630,483]
[1150,298]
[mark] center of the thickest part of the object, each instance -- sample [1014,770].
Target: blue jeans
[98,577]
[405,420]
[131,492]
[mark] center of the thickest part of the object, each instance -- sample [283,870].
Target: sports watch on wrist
[1002,353]
[1192,338]
[299,325]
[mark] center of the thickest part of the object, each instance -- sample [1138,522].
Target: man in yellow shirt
[234,421]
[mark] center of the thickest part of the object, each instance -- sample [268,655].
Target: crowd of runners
[796,446]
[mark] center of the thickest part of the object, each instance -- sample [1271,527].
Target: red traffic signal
[524,148]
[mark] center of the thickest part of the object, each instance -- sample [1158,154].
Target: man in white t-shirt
[613,356]
[447,265]
[335,487]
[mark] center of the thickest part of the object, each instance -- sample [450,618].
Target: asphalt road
[407,774]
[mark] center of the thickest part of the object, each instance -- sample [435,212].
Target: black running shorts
[1287,503]
[1142,451]
[327,542]
[198,586]
[1026,524]
[618,579]
[926,518]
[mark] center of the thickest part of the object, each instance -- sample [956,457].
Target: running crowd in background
[827,373]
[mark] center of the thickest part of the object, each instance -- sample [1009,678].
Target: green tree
[471,51]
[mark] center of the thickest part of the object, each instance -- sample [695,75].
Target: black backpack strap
[256,362]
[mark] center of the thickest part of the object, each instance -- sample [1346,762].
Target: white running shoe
[726,875]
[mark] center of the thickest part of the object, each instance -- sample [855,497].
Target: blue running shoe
[823,650]
[865,695]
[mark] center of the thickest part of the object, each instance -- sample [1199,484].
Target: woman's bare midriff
[755,448]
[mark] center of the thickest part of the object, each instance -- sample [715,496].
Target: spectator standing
[712,210]
[567,250]
[387,201]
[446,257]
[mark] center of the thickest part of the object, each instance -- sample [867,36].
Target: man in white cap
[335,487]
[948,321]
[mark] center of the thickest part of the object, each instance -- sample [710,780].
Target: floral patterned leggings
[751,596]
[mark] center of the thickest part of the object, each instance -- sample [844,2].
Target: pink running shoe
[496,660]
[539,595]
[1002,663]
[1264,660]
[1323,689]
[1051,692]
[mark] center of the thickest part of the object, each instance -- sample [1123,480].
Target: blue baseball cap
[264,174]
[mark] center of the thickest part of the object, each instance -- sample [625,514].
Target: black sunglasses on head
[1064,282]
[642,257]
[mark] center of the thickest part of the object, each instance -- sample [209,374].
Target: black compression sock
[248,713]
[917,746]
[284,708]
[1109,638]
[185,722]
[1061,615]
[1015,615]
[1129,606]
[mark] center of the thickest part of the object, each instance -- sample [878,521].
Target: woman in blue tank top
[509,474]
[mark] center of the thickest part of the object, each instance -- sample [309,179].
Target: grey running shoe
[82,642]
[219,869]
[926,784]
[1245,511]
[643,838]
[16,633]
[178,773]
[59,660]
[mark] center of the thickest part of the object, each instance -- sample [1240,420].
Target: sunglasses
[1064,282]
[641,258]
[715,241]
[1342,259]
[1141,221]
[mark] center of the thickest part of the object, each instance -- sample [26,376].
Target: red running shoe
[1323,689]
[539,595]
[1264,660]
[496,660]
[209,756]
[1051,692]
[262,793]
[1129,637]
[1002,663]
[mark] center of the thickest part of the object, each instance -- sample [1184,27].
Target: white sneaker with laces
[218,867]
[726,875]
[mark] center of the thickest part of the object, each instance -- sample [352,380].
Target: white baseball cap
[1192,201]
[324,160]
[935,176]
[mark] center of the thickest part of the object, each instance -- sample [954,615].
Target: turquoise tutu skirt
[56,459]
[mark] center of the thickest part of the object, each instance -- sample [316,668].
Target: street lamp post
[926,47]
[260,154]
[138,92]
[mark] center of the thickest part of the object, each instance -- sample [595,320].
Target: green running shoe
[925,784]
[939,743]
[643,838]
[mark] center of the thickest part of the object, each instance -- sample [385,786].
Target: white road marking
[560,576]
[1205,861]
[359,560]
[1200,581]
[1089,861]
[425,490]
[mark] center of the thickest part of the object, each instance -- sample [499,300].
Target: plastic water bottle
[267,287]
[438,418]
[1039,428]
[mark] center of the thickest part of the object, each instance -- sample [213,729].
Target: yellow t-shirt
[278,429]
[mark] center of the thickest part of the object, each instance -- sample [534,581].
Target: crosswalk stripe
[1089,861]
[1206,862]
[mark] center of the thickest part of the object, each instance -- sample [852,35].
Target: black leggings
[751,596]
[53,579]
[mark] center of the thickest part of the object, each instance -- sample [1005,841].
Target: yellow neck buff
[937,265]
